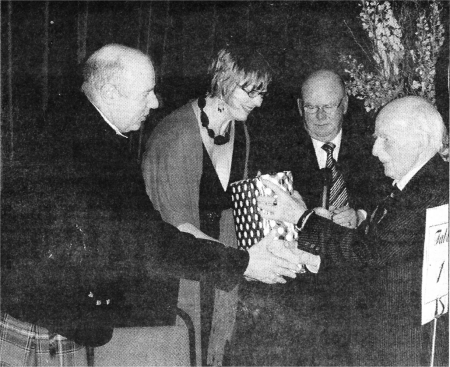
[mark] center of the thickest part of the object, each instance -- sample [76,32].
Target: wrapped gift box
[250,226]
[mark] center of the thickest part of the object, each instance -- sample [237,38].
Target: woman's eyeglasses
[255,93]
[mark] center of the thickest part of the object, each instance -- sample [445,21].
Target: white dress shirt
[321,154]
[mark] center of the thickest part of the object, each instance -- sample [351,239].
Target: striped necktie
[338,192]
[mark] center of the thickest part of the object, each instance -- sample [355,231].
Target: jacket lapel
[307,177]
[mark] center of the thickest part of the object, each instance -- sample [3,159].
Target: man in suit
[350,191]
[90,242]
[409,134]
[323,108]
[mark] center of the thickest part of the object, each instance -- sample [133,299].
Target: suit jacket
[392,253]
[90,230]
[361,171]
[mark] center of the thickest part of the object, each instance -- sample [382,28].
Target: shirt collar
[406,178]
[336,141]
[114,127]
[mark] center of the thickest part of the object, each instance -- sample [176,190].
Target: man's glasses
[254,93]
[328,108]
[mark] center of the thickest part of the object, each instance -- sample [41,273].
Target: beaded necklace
[219,139]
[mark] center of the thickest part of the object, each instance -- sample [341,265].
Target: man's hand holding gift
[289,249]
[270,260]
[282,206]
[288,208]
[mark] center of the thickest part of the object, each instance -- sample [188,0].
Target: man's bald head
[324,103]
[417,116]
[110,64]
[324,77]
[409,131]
[120,82]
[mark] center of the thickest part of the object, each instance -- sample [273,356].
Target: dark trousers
[307,322]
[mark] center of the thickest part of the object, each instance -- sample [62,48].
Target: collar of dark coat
[91,136]
[90,121]
[432,176]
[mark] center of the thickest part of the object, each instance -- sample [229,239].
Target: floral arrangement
[396,67]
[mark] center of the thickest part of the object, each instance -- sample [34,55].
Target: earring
[220,106]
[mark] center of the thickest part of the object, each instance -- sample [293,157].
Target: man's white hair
[420,116]
[107,65]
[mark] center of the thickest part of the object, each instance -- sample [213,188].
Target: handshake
[271,259]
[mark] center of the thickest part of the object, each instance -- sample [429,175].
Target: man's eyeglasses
[328,108]
[254,93]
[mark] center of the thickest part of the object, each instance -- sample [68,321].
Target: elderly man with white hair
[409,135]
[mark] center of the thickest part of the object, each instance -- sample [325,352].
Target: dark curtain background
[44,43]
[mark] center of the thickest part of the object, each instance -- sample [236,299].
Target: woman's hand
[282,206]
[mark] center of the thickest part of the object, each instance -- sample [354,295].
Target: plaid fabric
[24,344]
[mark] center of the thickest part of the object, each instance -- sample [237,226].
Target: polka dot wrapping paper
[250,226]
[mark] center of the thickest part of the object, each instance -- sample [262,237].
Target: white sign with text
[435,264]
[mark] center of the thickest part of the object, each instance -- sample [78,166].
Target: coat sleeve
[397,238]
[171,167]
[170,251]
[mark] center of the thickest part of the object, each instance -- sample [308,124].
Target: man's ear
[299,106]
[109,92]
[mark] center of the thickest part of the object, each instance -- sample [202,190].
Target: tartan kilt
[25,344]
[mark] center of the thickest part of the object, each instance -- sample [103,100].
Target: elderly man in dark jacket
[92,242]
[389,244]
